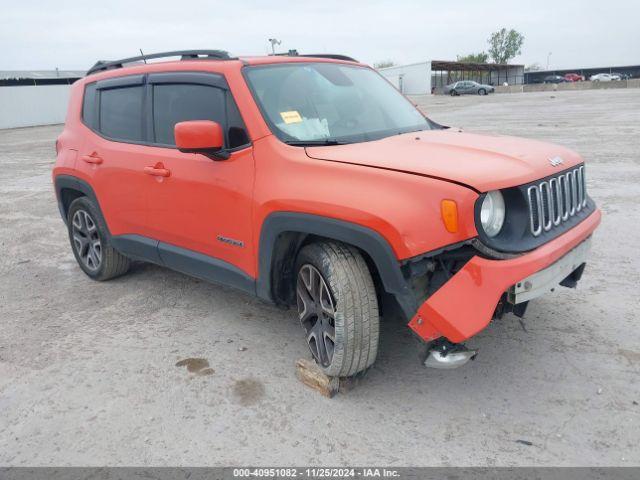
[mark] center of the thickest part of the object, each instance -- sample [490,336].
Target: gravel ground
[88,371]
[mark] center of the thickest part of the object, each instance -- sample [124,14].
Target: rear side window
[131,109]
[89,116]
[173,103]
[121,113]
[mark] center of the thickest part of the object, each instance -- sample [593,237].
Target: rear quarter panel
[70,140]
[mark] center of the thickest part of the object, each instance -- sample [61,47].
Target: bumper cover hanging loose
[465,304]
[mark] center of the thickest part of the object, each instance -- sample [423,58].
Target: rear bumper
[465,304]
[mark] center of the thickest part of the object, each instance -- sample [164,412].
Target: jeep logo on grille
[555,161]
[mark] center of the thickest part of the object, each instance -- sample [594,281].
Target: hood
[483,162]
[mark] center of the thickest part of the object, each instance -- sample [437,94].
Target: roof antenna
[143,59]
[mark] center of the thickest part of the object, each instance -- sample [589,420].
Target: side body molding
[182,260]
[369,241]
[205,267]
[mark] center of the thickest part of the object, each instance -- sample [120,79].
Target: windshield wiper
[314,143]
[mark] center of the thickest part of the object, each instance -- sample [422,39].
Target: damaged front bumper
[466,302]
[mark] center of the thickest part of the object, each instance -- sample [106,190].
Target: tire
[342,282]
[482,91]
[454,93]
[90,242]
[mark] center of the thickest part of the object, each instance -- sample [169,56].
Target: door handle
[93,159]
[157,171]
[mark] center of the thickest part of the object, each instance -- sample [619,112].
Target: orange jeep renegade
[310,181]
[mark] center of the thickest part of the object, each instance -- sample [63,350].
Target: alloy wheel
[86,240]
[316,310]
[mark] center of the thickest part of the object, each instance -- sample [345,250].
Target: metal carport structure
[445,72]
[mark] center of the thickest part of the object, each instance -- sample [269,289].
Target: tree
[481,57]
[384,64]
[505,45]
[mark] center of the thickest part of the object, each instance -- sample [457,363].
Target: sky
[74,34]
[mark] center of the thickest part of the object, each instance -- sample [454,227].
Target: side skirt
[185,261]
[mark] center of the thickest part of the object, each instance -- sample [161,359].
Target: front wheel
[454,93]
[482,91]
[338,307]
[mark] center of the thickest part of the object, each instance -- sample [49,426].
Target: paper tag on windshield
[291,117]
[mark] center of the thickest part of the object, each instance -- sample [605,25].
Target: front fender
[366,239]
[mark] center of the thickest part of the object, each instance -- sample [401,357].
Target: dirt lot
[88,370]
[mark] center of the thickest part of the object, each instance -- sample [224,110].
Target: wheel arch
[68,188]
[283,234]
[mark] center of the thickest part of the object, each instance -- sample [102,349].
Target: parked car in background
[621,76]
[604,77]
[468,87]
[573,77]
[554,79]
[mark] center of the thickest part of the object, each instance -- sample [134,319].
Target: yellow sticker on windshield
[291,117]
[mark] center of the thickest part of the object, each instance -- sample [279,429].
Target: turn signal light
[449,210]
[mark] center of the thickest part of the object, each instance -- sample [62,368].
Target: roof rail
[332,56]
[103,65]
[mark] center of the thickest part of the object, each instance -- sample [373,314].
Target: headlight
[492,213]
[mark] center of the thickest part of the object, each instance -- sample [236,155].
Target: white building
[38,97]
[413,79]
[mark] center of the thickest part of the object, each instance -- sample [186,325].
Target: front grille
[554,201]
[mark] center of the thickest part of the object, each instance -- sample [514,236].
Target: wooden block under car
[310,374]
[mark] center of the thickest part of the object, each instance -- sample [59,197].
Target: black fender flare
[62,182]
[366,239]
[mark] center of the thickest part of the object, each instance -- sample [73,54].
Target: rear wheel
[337,307]
[90,242]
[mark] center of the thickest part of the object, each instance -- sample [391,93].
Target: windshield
[330,103]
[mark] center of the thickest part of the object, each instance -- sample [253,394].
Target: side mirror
[200,136]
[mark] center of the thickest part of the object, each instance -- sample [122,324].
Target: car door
[111,155]
[203,206]
[464,87]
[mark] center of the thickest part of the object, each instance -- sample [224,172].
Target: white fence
[27,106]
